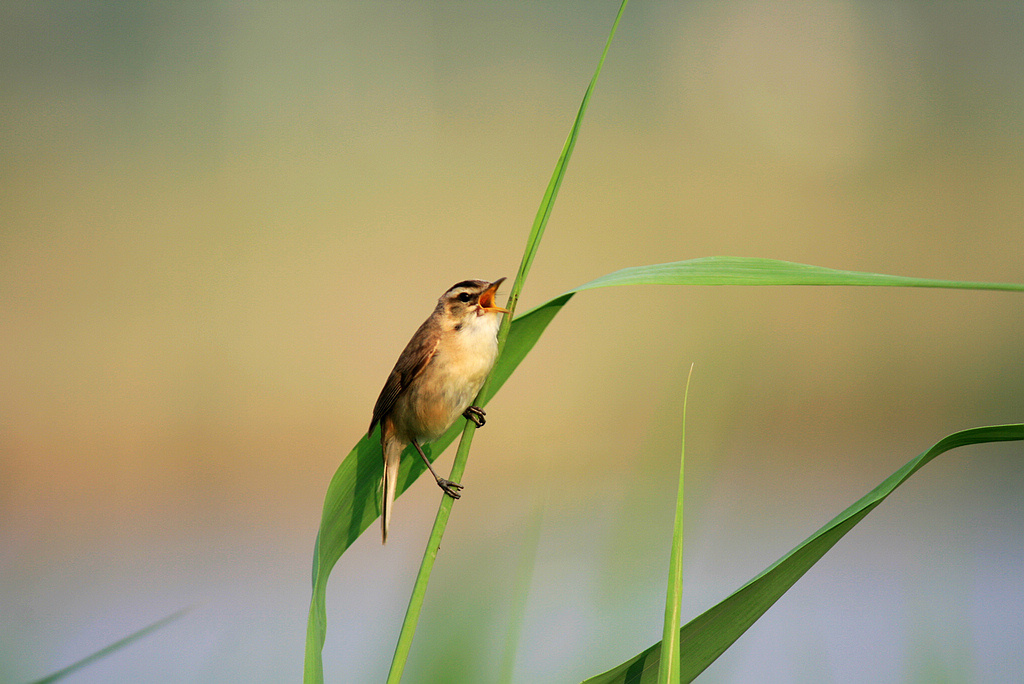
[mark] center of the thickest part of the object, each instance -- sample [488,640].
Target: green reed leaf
[351,503]
[112,648]
[707,636]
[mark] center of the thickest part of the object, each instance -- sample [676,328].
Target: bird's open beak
[487,298]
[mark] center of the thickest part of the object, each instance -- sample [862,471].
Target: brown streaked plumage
[436,379]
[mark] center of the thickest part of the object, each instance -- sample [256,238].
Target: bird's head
[470,298]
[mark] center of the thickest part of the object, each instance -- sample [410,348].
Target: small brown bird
[436,379]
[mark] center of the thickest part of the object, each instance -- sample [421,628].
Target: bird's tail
[392,457]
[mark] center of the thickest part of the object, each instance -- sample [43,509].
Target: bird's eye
[464,297]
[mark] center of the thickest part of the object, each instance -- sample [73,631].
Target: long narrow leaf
[724,270]
[351,505]
[112,648]
[707,636]
[668,669]
[462,454]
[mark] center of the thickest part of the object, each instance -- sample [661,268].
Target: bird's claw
[450,488]
[475,414]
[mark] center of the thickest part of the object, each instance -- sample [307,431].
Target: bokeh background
[221,222]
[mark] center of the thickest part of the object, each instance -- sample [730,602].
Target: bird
[435,380]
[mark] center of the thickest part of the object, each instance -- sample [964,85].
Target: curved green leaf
[351,503]
[707,636]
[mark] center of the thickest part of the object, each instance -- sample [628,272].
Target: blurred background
[221,222]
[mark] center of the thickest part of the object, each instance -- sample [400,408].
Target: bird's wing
[414,359]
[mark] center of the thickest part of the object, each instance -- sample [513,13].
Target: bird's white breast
[453,377]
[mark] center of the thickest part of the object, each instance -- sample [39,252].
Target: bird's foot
[450,488]
[475,414]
